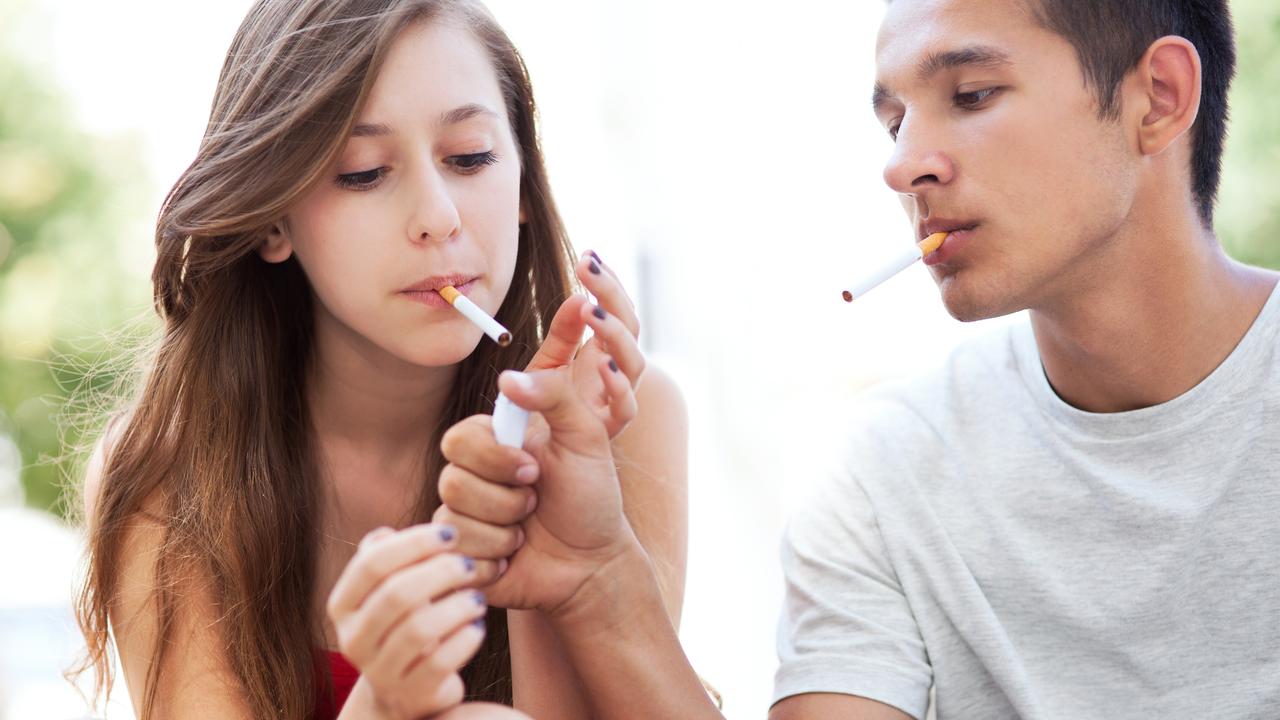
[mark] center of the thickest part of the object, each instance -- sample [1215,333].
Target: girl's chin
[440,352]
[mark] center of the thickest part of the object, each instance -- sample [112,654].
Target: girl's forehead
[433,68]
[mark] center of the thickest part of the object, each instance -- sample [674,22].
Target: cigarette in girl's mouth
[472,312]
[895,266]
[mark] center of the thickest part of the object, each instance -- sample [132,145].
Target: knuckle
[451,441]
[422,630]
[436,664]
[442,515]
[451,691]
[510,542]
[450,485]
[398,595]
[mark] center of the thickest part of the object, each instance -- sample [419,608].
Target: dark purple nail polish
[595,268]
[447,533]
[478,622]
[599,313]
[613,365]
[593,254]
[468,563]
[479,598]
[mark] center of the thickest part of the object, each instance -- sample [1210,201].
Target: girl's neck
[360,396]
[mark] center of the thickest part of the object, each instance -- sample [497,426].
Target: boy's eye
[973,99]
[361,180]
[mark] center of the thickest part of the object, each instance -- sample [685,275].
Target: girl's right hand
[403,617]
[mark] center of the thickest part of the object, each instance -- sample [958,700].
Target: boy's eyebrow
[979,55]
[452,117]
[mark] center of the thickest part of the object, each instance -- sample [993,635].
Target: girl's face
[425,193]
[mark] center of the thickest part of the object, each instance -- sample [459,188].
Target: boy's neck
[1167,311]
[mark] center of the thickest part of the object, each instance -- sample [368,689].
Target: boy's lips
[959,232]
[955,243]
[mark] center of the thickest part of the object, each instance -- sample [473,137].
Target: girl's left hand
[616,331]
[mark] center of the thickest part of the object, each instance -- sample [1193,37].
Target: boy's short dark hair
[1110,37]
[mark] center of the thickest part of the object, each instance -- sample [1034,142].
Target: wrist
[362,704]
[621,589]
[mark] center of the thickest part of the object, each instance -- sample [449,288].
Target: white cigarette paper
[894,266]
[472,312]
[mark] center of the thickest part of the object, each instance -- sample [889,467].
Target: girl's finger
[380,555]
[363,632]
[563,337]
[604,284]
[449,656]
[619,343]
[622,406]
[469,494]
[422,632]
[481,540]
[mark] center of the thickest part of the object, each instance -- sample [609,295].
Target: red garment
[344,676]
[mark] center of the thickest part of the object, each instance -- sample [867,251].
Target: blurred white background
[721,155]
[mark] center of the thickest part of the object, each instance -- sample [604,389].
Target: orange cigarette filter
[931,243]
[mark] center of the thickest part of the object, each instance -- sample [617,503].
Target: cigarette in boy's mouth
[472,312]
[895,266]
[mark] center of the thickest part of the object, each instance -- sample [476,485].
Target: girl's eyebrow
[452,117]
[464,113]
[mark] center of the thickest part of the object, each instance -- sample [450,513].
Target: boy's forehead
[913,29]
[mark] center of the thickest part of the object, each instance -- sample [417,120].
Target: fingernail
[447,533]
[533,503]
[593,254]
[502,567]
[479,598]
[599,313]
[478,622]
[519,538]
[468,563]
[613,365]
[527,473]
[595,268]
[524,381]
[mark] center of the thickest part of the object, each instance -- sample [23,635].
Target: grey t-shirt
[1031,560]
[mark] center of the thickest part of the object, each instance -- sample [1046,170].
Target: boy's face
[997,132]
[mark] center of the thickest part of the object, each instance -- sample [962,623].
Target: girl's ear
[524,217]
[277,247]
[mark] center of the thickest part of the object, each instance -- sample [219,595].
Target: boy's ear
[277,247]
[1169,78]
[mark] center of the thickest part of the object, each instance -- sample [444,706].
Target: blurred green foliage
[1248,217]
[73,207]
[67,200]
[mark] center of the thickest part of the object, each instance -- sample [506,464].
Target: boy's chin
[967,303]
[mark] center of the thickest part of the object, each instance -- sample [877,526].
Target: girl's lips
[431,298]
[953,245]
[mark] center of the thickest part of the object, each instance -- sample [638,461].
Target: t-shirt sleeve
[846,626]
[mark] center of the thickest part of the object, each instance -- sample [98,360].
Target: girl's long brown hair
[218,438]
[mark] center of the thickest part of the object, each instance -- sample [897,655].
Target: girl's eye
[474,162]
[361,180]
[893,131]
[972,100]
